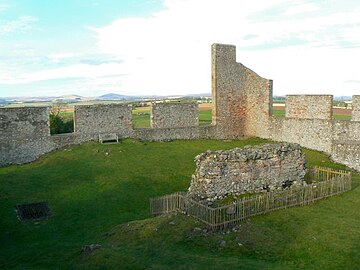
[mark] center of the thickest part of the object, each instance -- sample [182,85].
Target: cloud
[301,8]
[305,46]
[21,24]
[57,57]
[3,7]
[74,71]
[85,79]
[169,52]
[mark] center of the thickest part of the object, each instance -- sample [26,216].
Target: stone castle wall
[252,169]
[345,131]
[309,106]
[183,133]
[174,115]
[97,119]
[242,102]
[24,134]
[241,98]
[24,122]
[347,153]
[355,108]
[311,133]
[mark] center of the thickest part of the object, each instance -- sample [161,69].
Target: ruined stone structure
[174,115]
[309,106]
[242,100]
[347,153]
[24,134]
[102,119]
[242,106]
[252,169]
[356,108]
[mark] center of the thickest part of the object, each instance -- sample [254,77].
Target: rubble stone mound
[247,170]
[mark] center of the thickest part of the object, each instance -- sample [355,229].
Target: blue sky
[92,47]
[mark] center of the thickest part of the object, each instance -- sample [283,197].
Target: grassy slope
[90,193]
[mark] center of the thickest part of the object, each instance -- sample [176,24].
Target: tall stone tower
[242,100]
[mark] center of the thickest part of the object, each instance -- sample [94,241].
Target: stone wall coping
[311,95]
[349,142]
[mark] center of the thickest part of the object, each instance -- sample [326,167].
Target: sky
[163,47]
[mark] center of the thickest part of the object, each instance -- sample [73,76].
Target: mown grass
[92,188]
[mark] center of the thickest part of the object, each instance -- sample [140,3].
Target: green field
[336,116]
[205,117]
[141,117]
[99,194]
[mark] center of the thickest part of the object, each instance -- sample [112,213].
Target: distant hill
[199,95]
[70,97]
[114,96]
[342,98]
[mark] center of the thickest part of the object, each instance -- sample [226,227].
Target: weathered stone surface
[24,134]
[174,115]
[24,122]
[165,134]
[250,169]
[109,118]
[309,106]
[347,153]
[355,108]
[242,100]
[345,131]
[311,133]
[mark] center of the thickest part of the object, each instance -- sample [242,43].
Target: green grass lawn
[90,193]
[336,116]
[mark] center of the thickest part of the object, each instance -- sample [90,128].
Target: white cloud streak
[301,8]
[20,24]
[74,71]
[169,52]
[3,7]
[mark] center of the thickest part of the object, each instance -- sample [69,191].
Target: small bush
[60,122]
[59,125]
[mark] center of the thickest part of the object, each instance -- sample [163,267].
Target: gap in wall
[205,114]
[63,122]
[141,117]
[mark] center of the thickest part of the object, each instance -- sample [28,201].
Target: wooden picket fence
[326,182]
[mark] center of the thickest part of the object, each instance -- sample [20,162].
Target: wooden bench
[108,138]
